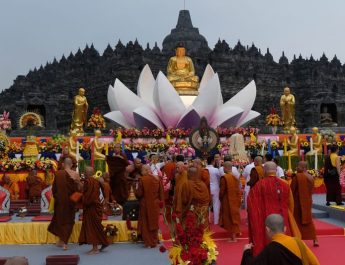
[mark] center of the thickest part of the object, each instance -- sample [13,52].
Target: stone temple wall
[52,87]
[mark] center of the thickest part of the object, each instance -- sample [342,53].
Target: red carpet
[5,218]
[331,251]
[322,228]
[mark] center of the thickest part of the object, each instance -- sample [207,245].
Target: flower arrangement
[273,118]
[5,122]
[192,243]
[329,136]
[96,120]
[18,165]
[110,230]
[133,233]
[314,173]
[274,145]
[176,133]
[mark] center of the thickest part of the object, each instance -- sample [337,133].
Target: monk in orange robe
[302,189]
[200,196]
[230,198]
[64,185]
[150,194]
[204,174]
[269,195]
[34,186]
[12,187]
[257,172]
[92,229]
[182,194]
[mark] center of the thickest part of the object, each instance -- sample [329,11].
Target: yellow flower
[28,162]
[340,144]
[98,174]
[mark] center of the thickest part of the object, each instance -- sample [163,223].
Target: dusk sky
[33,32]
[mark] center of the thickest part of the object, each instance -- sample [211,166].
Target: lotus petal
[190,119]
[207,76]
[244,99]
[118,118]
[129,101]
[145,117]
[112,99]
[168,103]
[206,103]
[227,117]
[146,86]
[251,115]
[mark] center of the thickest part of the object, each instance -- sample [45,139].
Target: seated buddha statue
[99,146]
[317,142]
[293,143]
[181,73]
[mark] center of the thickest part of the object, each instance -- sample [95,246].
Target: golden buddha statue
[317,142]
[72,145]
[99,146]
[293,143]
[181,73]
[79,116]
[287,104]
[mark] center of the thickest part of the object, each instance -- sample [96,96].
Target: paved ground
[119,254]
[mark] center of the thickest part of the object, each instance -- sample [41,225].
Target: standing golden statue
[98,146]
[293,143]
[287,105]
[79,116]
[72,146]
[181,73]
[317,142]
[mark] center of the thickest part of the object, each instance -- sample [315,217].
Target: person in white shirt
[234,170]
[280,171]
[246,174]
[155,165]
[214,187]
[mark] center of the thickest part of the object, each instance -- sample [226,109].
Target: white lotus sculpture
[158,105]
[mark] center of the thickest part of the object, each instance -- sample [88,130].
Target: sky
[33,32]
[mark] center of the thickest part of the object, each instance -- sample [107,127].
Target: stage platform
[332,212]
[26,231]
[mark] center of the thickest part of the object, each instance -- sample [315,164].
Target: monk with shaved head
[268,196]
[230,199]
[66,182]
[282,249]
[302,186]
[182,195]
[92,229]
[150,194]
[257,172]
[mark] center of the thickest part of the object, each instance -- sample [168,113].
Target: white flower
[158,105]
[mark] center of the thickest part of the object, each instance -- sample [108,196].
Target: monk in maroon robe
[118,176]
[65,154]
[269,195]
[150,195]
[34,186]
[92,229]
[64,185]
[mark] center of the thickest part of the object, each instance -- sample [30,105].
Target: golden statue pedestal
[30,150]
[189,88]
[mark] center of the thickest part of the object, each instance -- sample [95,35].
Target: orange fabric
[169,169]
[205,177]
[257,173]
[13,189]
[302,189]
[150,194]
[260,171]
[291,244]
[200,199]
[230,199]
[182,196]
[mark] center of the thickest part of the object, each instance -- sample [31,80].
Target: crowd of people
[278,213]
